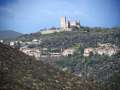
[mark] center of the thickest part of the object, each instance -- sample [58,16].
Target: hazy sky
[30,15]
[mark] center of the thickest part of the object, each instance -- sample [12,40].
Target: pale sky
[28,16]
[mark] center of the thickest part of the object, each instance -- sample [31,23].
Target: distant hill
[9,34]
[21,72]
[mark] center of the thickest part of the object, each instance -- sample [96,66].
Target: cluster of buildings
[21,43]
[11,43]
[31,51]
[102,49]
[31,48]
[37,53]
[66,25]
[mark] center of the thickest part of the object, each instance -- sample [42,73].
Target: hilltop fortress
[65,25]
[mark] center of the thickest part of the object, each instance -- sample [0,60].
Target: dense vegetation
[21,72]
[102,70]
[86,37]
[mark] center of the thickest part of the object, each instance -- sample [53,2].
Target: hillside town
[102,49]
[32,48]
[88,53]
[59,44]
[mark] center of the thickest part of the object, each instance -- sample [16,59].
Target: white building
[34,40]
[55,54]
[12,43]
[69,51]
[109,51]
[1,41]
[106,45]
[102,49]
[75,24]
[31,51]
[87,51]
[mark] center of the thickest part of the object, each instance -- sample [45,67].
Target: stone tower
[63,22]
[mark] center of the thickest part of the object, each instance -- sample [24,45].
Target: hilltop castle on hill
[65,24]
